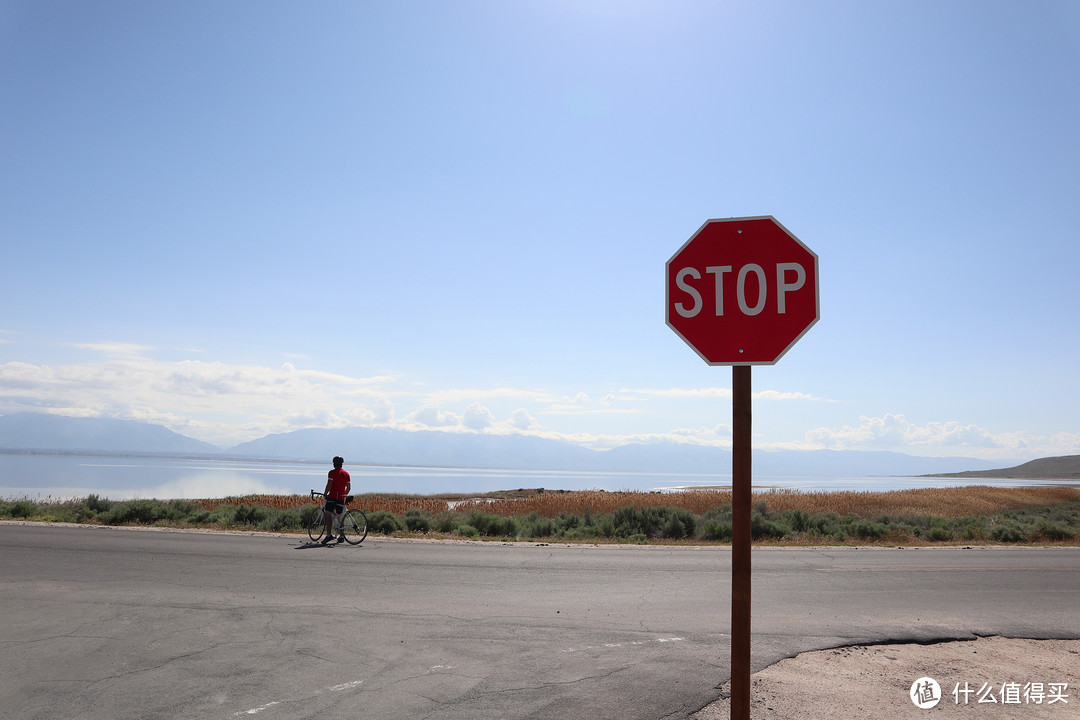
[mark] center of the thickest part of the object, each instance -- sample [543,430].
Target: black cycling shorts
[334,506]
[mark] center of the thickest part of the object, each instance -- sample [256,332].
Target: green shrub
[492,525]
[467,530]
[96,504]
[939,534]
[581,533]
[630,520]
[447,522]
[605,526]
[566,522]
[865,529]
[417,520]
[674,528]
[799,520]
[199,517]
[681,523]
[1009,532]
[825,524]
[276,520]
[654,521]
[1056,530]
[143,512]
[223,515]
[973,530]
[760,527]
[384,521]
[716,530]
[722,513]
[22,509]
[534,526]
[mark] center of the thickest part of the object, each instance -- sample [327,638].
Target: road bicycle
[352,524]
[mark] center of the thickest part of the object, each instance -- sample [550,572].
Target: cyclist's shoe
[340,539]
[326,540]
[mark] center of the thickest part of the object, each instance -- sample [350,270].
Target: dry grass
[396,504]
[941,502]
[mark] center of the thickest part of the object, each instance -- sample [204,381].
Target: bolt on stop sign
[742,291]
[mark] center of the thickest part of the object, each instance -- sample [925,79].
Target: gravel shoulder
[875,681]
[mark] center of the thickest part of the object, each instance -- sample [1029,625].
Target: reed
[941,502]
[397,504]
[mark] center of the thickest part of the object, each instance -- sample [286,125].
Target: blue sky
[238,218]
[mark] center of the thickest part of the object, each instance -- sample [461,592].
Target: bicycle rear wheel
[317,525]
[354,526]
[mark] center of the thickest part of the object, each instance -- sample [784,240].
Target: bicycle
[352,523]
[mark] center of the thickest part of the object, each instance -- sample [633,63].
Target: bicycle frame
[357,520]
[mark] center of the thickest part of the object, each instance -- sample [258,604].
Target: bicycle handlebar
[315,494]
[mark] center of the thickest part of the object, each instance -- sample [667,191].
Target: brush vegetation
[982,515]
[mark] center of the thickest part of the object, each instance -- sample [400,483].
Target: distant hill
[383,446]
[1066,467]
[41,432]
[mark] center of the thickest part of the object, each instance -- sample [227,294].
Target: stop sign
[742,291]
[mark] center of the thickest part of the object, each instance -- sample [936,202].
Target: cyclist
[338,484]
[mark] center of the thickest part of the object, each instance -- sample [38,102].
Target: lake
[42,476]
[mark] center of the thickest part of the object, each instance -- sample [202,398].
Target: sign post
[741,292]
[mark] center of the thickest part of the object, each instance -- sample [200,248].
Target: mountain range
[34,432]
[41,432]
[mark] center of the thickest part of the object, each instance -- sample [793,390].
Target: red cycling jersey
[340,483]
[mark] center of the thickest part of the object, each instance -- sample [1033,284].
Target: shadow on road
[309,545]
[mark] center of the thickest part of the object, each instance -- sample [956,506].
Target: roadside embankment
[966,515]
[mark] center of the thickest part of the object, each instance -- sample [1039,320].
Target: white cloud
[213,401]
[116,349]
[522,420]
[715,392]
[461,396]
[227,404]
[896,432]
[680,392]
[477,417]
[384,411]
[432,416]
[778,395]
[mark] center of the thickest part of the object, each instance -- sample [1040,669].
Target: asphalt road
[115,623]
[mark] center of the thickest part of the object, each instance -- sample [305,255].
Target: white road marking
[332,688]
[255,711]
[625,644]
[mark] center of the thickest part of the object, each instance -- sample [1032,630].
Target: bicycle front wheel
[354,526]
[317,525]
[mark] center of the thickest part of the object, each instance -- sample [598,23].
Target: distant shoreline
[1066,467]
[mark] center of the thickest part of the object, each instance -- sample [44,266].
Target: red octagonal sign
[742,291]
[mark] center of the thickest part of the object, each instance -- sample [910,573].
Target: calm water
[123,478]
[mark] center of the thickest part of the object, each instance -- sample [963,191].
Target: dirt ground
[875,682]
